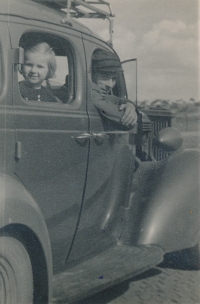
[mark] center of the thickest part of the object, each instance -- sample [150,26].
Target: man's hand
[130,116]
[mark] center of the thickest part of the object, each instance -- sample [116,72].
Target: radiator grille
[161,118]
[158,124]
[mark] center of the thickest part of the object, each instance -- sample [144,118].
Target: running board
[111,267]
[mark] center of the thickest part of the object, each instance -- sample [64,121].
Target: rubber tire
[16,278]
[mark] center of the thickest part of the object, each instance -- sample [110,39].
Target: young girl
[39,65]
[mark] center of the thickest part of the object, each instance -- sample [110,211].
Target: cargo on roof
[60,12]
[82,9]
[79,5]
[32,10]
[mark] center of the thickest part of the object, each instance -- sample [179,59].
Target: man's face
[105,81]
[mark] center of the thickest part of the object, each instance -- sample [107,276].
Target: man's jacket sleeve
[108,105]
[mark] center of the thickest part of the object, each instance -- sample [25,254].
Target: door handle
[118,132]
[100,135]
[83,136]
[99,138]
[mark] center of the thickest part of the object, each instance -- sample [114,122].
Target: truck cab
[83,200]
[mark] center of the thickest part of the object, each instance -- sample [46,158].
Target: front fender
[170,216]
[17,206]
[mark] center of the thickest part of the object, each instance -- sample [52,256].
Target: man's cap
[105,61]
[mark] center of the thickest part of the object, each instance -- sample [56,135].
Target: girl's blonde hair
[44,49]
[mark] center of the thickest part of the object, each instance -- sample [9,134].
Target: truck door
[108,179]
[51,150]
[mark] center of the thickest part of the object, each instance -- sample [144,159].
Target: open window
[62,85]
[108,88]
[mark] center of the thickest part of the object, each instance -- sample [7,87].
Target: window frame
[71,40]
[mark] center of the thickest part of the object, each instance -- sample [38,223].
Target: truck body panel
[77,188]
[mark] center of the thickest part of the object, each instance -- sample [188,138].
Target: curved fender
[17,206]
[171,212]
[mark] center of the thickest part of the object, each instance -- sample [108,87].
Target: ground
[160,285]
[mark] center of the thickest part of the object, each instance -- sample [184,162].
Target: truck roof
[35,11]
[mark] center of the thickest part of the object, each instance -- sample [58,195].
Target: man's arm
[118,109]
[129,117]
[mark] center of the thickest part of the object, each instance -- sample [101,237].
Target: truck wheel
[16,279]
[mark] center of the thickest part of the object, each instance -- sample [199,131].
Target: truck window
[48,70]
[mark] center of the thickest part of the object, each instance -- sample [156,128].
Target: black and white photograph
[99,152]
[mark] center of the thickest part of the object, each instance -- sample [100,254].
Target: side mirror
[169,139]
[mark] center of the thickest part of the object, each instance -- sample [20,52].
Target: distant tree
[143,103]
[181,104]
[161,103]
[174,105]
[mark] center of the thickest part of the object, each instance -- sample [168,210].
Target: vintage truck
[84,203]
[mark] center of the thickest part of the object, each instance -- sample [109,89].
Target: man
[105,69]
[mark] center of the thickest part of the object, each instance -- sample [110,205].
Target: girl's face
[35,69]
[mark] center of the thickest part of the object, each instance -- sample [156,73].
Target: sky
[163,36]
